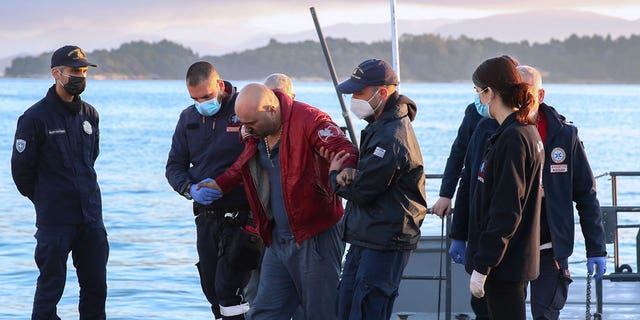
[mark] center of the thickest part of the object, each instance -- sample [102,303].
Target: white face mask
[361,108]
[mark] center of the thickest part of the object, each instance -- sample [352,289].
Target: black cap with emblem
[70,56]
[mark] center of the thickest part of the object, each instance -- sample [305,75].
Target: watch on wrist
[187,191]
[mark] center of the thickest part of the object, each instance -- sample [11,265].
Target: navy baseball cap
[372,72]
[70,56]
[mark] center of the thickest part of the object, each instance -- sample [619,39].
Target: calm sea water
[151,272]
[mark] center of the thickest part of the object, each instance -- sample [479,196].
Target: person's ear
[383,91]
[220,86]
[490,93]
[540,96]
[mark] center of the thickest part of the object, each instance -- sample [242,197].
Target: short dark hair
[200,71]
[502,76]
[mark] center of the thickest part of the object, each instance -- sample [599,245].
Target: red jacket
[312,206]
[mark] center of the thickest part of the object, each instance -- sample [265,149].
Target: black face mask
[75,85]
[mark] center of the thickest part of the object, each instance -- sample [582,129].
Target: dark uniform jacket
[504,233]
[387,200]
[458,150]
[567,178]
[52,162]
[204,147]
[472,160]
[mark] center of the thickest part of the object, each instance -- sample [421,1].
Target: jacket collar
[59,105]
[555,121]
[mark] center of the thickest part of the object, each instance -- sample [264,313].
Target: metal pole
[332,71]
[394,39]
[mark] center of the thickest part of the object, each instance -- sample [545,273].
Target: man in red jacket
[295,208]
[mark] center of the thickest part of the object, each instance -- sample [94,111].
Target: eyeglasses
[478,91]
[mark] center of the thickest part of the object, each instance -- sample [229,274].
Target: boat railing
[622,272]
[446,277]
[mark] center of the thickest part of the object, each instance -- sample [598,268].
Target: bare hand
[346,176]
[338,160]
[325,153]
[442,207]
[209,184]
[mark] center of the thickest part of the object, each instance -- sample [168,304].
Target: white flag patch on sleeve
[379,152]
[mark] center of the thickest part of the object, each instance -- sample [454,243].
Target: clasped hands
[206,191]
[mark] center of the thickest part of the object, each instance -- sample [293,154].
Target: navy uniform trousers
[89,249]
[222,282]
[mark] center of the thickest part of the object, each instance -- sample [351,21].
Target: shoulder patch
[20,145]
[328,132]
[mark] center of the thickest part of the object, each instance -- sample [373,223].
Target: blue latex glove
[204,195]
[456,251]
[601,266]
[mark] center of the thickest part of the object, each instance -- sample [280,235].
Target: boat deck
[621,302]
[418,294]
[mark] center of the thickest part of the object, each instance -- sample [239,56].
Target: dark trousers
[369,283]
[549,291]
[506,299]
[222,282]
[89,249]
[480,308]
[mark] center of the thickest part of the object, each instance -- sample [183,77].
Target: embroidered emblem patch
[233,119]
[20,145]
[379,152]
[558,155]
[86,126]
[329,132]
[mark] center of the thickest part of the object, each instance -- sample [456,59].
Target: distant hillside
[133,60]
[429,58]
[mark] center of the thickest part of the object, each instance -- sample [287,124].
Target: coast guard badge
[86,126]
[20,145]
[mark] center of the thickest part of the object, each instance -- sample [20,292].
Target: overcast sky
[215,26]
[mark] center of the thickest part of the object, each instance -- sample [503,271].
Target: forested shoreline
[424,58]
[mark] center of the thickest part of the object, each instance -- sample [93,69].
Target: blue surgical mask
[483,109]
[209,107]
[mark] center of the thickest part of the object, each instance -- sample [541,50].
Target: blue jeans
[549,291]
[295,275]
[89,249]
[369,284]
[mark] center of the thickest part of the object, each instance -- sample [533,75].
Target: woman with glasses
[503,241]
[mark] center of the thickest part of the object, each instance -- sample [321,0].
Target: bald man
[566,178]
[296,210]
[280,81]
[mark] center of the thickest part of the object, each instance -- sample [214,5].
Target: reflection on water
[151,272]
